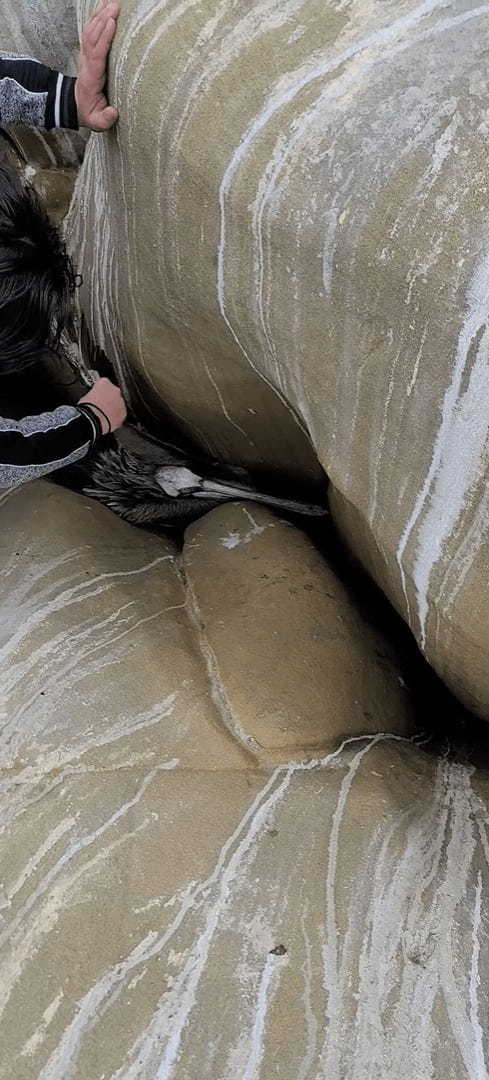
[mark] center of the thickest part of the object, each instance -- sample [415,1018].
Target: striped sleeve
[31,93]
[38,445]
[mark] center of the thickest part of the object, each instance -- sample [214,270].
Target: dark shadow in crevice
[444,726]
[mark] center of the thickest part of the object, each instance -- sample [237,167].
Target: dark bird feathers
[169,490]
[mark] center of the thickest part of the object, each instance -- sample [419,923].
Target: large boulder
[174,906]
[293,660]
[283,241]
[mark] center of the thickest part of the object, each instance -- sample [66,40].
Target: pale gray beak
[177,481]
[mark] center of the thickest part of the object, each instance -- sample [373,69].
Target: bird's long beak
[178,481]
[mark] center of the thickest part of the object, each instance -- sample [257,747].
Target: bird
[159,484]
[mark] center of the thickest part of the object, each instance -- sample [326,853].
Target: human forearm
[31,93]
[38,445]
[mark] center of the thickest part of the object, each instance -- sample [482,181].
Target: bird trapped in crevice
[171,489]
[153,483]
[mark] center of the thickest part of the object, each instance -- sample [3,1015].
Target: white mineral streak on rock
[312,1025]
[266,992]
[222,402]
[232,540]
[469,539]
[122,726]
[331,948]
[296,34]
[40,912]
[414,376]
[32,864]
[65,654]
[228,716]
[38,1036]
[444,146]
[222,49]
[391,954]
[101,251]
[458,458]
[181,999]
[235,539]
[405,960]
[331,223]
[287,89]
[480,1069]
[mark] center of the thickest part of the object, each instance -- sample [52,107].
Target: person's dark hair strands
[37,278]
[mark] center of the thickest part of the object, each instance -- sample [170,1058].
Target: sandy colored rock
[289,221]
[315,253]
[100,666]
[48,161]
[143,908]
[295,666]
[457,650]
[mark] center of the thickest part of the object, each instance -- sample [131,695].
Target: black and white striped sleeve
[33,94]
[38,445]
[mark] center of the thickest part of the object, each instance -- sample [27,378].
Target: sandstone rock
[297,199]
[285,224]
[184,924]
[100,666]
[294,665]
[48,161]
[457,647]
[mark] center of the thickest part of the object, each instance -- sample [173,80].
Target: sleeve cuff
[61,110]
[93,419]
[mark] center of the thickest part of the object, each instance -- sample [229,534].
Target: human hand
[97,37]
[107,397]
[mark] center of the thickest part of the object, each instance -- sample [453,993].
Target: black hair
[37,278]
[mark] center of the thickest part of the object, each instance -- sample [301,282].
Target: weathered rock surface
[169,908]
[44,29]
[49,161]
[290,657]
[98,652]
[287,223]
[297,200]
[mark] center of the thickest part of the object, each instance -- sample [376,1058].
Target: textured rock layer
[286,233]
[211,864]
[170,908]
[291,657]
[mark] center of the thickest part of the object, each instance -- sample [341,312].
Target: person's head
[37,279]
